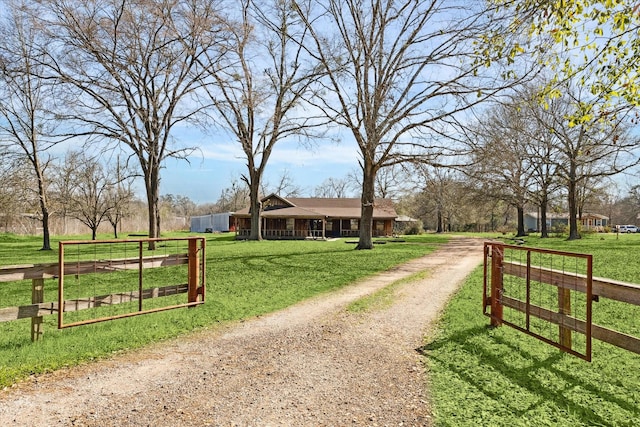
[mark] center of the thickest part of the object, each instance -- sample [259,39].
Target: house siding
[593,222]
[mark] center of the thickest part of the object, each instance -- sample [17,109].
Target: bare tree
[333,188]
[439,189]
[443,200]
[396,72]
[24,117]
[178,205]
[285,186]
[542,152]
[88,195]
[589,191]
[233,198]
[129,70]
[524,162]
[388,181]
[119,196]
[502,165]
[258,87]
[15,199]
[626,208]
[591,148]
[62,185]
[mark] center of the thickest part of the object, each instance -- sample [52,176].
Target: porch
[300,229]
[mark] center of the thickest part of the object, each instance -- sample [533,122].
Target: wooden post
[203,268]
[564,307]
[37,296]
[140,275]
[193,273]
[497,257]
[60,284]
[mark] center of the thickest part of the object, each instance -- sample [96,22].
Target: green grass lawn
[244,279]
[481,376]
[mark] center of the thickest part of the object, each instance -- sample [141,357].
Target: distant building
[589,221]
[213,223]
[403,222]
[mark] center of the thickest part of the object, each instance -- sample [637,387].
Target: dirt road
[313,364]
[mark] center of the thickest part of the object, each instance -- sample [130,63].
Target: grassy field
[244,279]
[481,376]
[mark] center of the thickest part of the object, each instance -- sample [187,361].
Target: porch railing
[302,234]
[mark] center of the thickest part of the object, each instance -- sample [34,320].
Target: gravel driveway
[313,364]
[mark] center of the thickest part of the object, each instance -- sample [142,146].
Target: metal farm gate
[543,293]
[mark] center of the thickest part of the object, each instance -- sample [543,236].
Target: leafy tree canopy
[595,42]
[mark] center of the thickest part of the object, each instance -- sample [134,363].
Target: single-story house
[218,222]
[589,221]
[319,218]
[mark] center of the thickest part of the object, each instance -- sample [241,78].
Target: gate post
[37,296]
[193,274]
[497,257]
[564,308]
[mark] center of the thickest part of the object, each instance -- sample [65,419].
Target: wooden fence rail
[495,299]
[605,288]
[601,288]
[50,271]
[8,314]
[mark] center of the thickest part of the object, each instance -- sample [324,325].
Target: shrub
[415,228]
[559,229]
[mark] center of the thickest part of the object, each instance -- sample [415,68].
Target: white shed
[219,222]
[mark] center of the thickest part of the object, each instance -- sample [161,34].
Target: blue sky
[220,161]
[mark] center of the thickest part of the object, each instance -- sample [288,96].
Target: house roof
[593,215]
[405,218]
[275,206]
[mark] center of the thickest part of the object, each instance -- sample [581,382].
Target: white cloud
[286,153]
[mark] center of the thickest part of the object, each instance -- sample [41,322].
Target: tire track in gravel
[312,364]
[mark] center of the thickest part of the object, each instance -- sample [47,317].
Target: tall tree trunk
[151,211]
[44,208]
[574,234]
[153,184]
[521,231]
[255,206]
[366,216]
[440,219]
[544,230]
[46,241]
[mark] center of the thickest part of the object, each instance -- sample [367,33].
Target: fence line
[194,258]
[494,297]
[8,314]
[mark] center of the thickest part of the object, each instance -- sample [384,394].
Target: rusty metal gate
[100,280]
[544,293]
